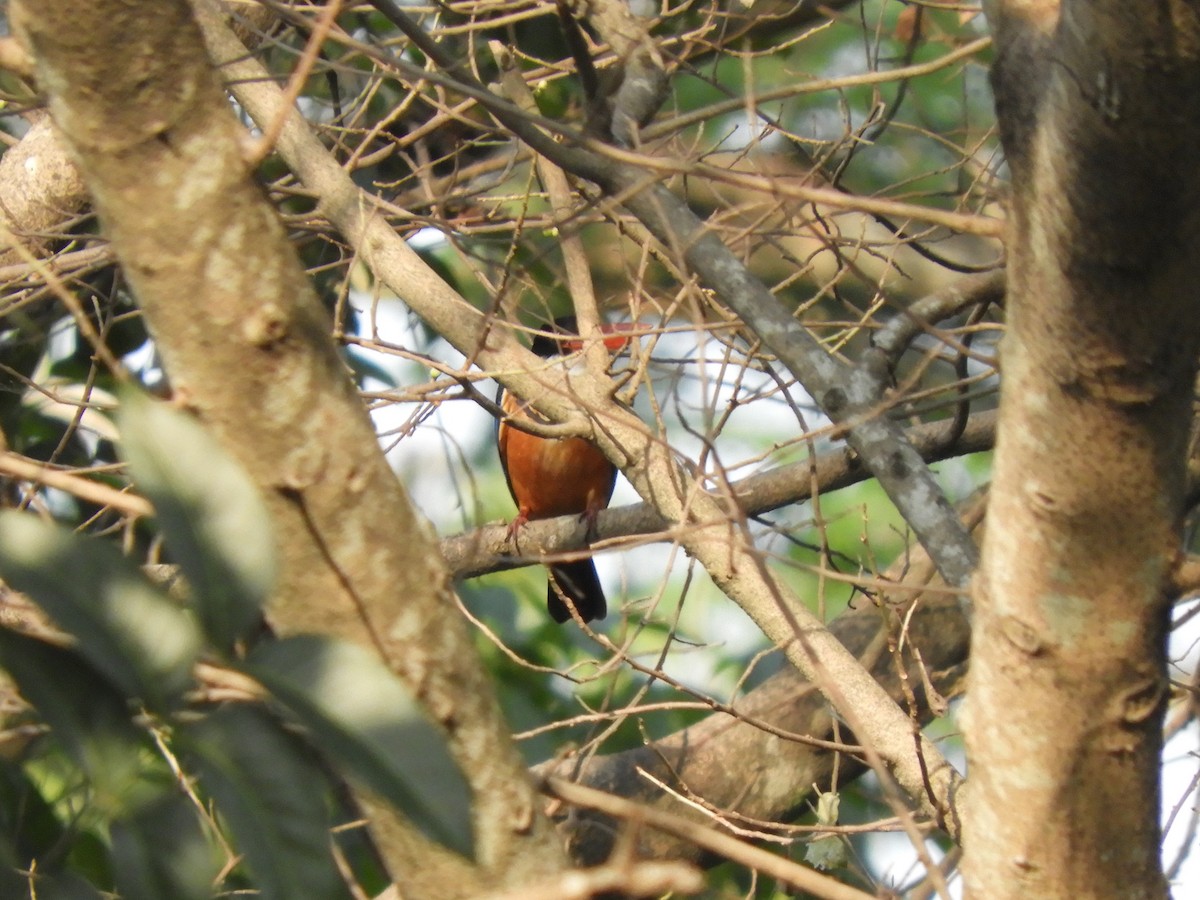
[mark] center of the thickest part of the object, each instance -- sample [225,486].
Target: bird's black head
[546,346]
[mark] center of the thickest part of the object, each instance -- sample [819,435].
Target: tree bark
[1099,111]
[248,349]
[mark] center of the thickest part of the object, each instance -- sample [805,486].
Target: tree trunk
[247,346]
[1098,108]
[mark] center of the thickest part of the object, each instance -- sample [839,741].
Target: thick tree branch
[42,188]
[248,346]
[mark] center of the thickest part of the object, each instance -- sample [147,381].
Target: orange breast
[553,477]
[556,477]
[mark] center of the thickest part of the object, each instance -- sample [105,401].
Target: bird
[550,477]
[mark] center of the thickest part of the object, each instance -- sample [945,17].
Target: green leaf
[139,638]
[366,722]
[211,515]
[268,792]
[828,851]
[89,858]
[163,852]
[34,840]
[87,718]
[26,820]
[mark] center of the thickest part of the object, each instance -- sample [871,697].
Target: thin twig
[706,838]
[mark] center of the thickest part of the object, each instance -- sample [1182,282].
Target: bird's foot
[515,526]
[588,517]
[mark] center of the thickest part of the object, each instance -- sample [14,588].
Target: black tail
[579,582]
